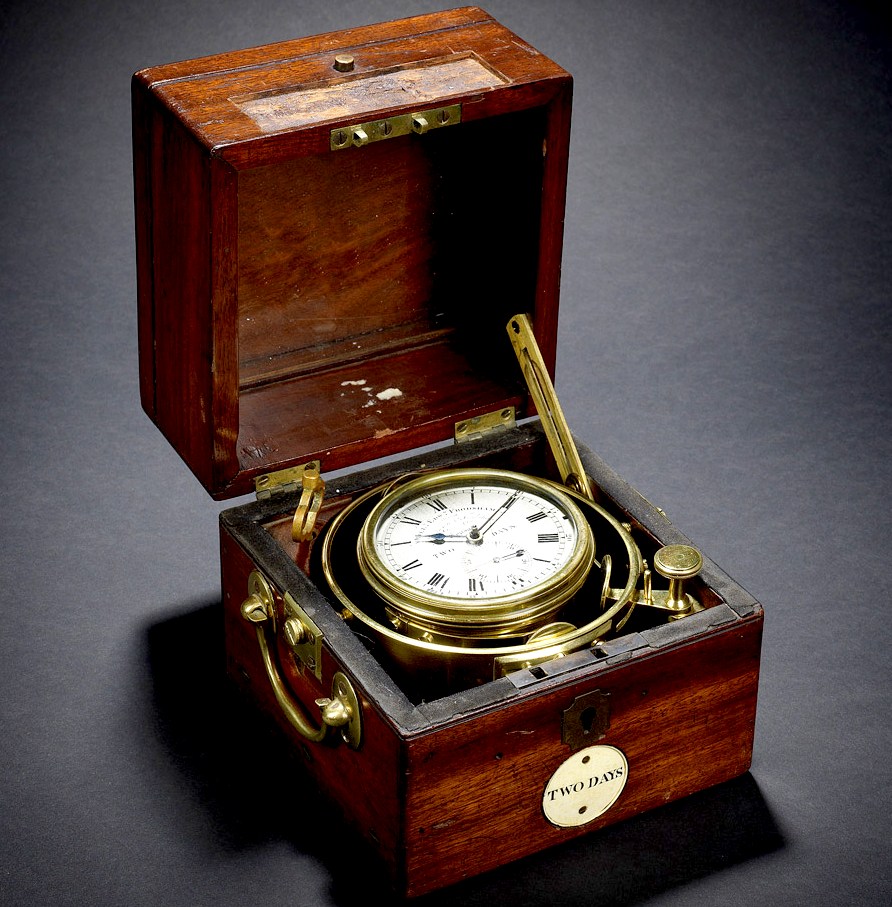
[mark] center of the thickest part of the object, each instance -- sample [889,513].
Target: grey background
[724,343]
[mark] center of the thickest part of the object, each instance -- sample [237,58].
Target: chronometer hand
[439,537]
[497,514]
[505,557]
[495,560]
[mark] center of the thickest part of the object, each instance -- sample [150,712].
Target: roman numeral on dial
[438,580]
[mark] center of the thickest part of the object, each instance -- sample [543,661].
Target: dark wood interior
[391,270]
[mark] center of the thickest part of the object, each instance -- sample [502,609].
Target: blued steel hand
[439,537]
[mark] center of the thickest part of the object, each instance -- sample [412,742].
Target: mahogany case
[308,292]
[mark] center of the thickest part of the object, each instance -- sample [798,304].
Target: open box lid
[332,234]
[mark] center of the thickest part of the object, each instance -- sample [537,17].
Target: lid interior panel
[374,285]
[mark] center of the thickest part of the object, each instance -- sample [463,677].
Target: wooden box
[332,234]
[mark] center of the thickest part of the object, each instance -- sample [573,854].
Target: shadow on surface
[632,861]
[233,762]
[225,750]
[236,766]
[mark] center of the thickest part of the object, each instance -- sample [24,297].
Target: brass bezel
[481,617]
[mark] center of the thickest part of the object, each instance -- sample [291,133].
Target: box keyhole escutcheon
[587,720]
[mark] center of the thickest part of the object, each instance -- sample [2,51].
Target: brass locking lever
[541,389]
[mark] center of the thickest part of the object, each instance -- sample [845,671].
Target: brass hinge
[479,426]
[283,481]
[421,121]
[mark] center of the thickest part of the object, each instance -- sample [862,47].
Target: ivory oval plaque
[585,786]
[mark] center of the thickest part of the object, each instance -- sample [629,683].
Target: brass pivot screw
[342,710]
[344,63]
[295,632]
[254,609]
[335,713]
[678,563]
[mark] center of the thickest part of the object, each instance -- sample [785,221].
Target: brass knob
[420,124]
[360,137]
[344,63]
[678,563]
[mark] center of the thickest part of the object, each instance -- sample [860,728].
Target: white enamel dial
[476,541]
[483,550]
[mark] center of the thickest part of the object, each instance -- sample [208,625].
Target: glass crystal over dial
[478,548]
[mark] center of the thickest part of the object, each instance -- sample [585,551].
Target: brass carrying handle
[341,711]
[542,391]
